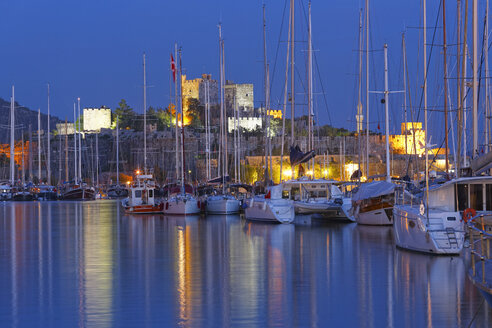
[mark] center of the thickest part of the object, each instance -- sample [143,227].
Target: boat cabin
[304,189]
[143,191]
[460,194]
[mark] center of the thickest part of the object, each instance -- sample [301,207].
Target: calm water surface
[87,264]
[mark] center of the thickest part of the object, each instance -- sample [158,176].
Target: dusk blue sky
[93,49]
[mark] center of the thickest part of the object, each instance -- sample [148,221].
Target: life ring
[468,214]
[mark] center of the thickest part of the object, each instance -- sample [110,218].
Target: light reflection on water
[87,264]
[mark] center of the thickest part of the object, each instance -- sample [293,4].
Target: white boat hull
[270,210]
[443,234]
[181,207]
[380,216]
[221,205]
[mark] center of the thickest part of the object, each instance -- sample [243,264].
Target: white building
[247,123]
[96,119]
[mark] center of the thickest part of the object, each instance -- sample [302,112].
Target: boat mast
[74,145]
[425,109]
[386,109]
[66,150]
[30,152]
[117,151]
[267,121]
[465,150]
[48,137]
[23,178]
[207,130]
[80,142]
[310,89]
[12,137]
[359,117]
[292,84]
[367,88]
[182,127]
[458,87]
[97,159]
[222,157]
[475,80]
[39,145]
[145,115]
[444,48]
[487,109]
[235,138]
[284,109]
[176,109]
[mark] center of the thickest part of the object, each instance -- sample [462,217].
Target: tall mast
[145,115]
[176,110]
[405,88]
[367,88]
[465,162]
[359,118]
[475,79]
[66,150]
[12,137]
[48,164]
[292,75]
[425,105]
[80,141]
[235,138]
[207,130]
[39,144]
[310,89]
[117,151]
[445,84]
[458,87]
[386,108]
[30,152]
[74,144]
[221,60]
[226,153]
[267,121]
[284,109]
[487,109]
[23,177]
[182,127]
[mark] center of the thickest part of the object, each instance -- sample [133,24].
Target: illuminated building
[96,119]
[404,143]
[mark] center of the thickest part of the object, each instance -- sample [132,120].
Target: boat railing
[479,228]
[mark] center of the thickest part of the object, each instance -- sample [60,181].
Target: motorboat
[141,198]
[22,194]
[270,207]
[222,204]
[372,203]
[437,225]
[320,198]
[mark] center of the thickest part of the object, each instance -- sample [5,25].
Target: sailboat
[372,203]
[78,189]
[224,203]
[271,207]
[180,200]
[117,190]
[431,221]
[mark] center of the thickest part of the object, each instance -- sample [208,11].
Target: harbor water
[87,264]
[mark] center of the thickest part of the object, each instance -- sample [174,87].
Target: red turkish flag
[173,68]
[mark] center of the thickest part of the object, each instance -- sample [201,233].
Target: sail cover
[373,189]
[297,156]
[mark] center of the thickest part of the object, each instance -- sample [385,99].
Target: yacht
[270,207]
[372,203]
[437,225]
[320,198]
[141,198]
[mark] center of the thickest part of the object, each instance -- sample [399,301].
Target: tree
[195,112]
[125,114]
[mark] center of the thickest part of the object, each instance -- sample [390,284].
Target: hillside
[23,117]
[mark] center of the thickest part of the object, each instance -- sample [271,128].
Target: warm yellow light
[287,172]
[310,172]
[137,171]
[325,172]
[128,182]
